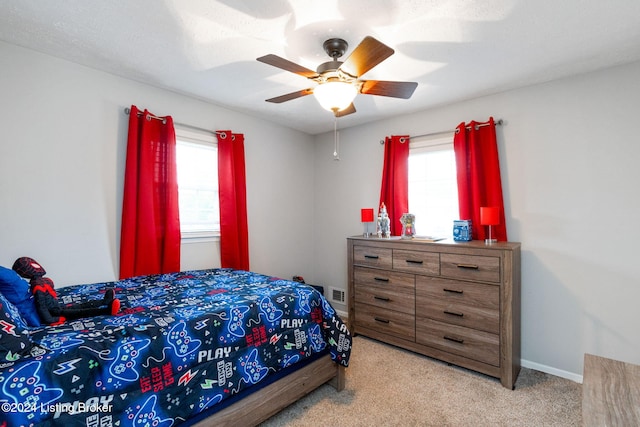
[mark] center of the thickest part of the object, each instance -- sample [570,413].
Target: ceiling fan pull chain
[336,142]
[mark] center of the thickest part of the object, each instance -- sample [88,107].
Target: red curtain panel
[150,232]
[394,192]
[234,231]
[478,173]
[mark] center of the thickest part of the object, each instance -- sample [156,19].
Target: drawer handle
[458,340]
[382,298]
[378,319]
[413,261]
[454,291]
[371,256]
[453,313]
[468,266]
[381,279]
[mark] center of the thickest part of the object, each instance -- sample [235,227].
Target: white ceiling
[454,49]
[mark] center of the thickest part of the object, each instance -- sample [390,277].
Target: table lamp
[366,216]
[490,215]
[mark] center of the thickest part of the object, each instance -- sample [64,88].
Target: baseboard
[551,370]
[343,315]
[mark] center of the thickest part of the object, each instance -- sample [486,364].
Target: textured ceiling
[454,49]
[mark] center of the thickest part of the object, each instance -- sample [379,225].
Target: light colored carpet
[388,386]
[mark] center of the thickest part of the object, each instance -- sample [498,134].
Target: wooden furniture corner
[610,392]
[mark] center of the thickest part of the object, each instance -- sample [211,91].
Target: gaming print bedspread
[181,344]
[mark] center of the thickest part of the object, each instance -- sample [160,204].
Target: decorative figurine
[52,311]
[408,228]
[383,226]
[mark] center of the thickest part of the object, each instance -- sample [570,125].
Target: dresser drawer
[470,267]
[373,257]
[457,292]
[480,318]
[398,282]
[477,345]
[390,322]
[387,299]
[416,262]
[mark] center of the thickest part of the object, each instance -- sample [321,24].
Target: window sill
[199,237]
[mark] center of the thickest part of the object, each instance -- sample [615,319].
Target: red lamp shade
[489,215]
[366,215]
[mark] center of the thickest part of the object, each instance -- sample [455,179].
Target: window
[433,190]
[197,164]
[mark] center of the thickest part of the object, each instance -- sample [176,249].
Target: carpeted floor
[387,386]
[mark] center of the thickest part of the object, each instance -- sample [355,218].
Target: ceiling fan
[339,82]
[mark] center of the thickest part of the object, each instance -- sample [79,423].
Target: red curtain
[234,231]
[478,171]
[394,192]
[150,233]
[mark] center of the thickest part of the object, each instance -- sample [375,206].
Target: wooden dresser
[457,302]
[610,392]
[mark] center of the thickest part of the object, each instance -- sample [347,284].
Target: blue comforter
[181,344]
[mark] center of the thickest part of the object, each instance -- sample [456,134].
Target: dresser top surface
[445,242]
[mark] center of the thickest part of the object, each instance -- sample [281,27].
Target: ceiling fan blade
[349,110]
[287,65]
[369,53]
[290,96]
[385,88]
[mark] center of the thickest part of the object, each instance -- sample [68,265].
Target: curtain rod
[184,125]
[150,116]
[444,132]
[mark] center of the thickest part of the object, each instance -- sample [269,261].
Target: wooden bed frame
[270,400]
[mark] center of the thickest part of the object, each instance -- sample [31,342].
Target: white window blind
[433,190]
[197,164]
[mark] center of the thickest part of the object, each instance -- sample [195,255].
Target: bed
[205,347]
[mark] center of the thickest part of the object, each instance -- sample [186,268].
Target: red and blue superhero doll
[50,310]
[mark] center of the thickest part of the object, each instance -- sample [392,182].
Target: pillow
[11,313]
[16,290]
[14,340]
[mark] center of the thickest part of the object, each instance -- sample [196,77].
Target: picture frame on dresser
[458,302]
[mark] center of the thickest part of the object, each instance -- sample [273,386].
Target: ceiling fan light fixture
[339,82]
[335,96]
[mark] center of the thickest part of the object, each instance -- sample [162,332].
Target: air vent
[337,295]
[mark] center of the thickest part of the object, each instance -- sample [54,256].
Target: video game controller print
[126,320]
[25,386]
[234,325]
[304,295]
[270,311]
[329,312]
[288,360]
[207,402]
[315,336]
[61,341]
[147,416]
[124,365]
[182,343]
[189,312]
[253,370]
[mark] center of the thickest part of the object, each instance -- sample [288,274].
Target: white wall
[569,153]
[62,153]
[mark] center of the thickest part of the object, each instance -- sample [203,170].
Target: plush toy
[50,311]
